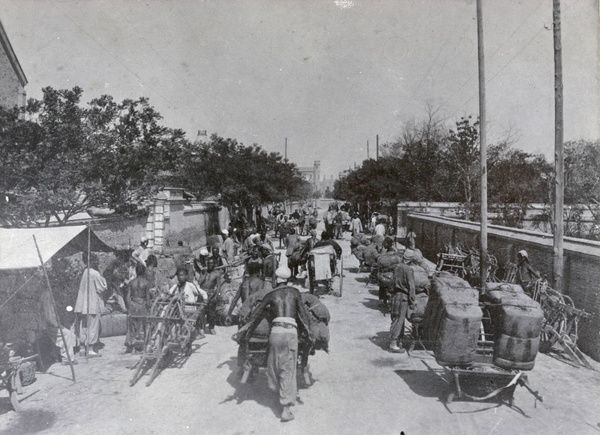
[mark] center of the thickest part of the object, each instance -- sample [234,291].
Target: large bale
[517,325]
[452,320]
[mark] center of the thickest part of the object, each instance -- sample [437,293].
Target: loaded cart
[484,340]
[172,326]
[255,352]
[15,373]
[323,267]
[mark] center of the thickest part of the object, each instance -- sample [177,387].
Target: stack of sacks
[423,262]
[358,244]
[517,322]
[386,264]
[452,320]
[422,288]
[371,254]
[318,320]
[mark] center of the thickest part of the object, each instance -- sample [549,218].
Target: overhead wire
[508,63]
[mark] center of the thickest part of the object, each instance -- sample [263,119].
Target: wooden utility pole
[367,150]
[559,170]
[286,149]
[377,145]
[483,266]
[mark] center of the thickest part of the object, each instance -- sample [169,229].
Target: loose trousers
[281,363]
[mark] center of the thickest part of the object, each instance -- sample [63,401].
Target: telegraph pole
[483,266]
[377,145]
[558,151]
[367,150]
[286,149]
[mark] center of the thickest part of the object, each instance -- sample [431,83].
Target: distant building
[313,176]
[12,77]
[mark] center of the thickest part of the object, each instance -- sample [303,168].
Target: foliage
[582,184]
[242,176]
[59,157]
[462,156]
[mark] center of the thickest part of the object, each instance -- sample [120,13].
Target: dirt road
[359,388]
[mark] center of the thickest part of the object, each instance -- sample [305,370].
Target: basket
[27,373]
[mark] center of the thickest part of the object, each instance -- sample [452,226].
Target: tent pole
[87,326]
[62,335]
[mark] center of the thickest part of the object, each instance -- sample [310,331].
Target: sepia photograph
[299,217]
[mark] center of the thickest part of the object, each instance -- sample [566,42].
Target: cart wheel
[450,398]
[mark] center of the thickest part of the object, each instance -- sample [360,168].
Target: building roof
[12,57]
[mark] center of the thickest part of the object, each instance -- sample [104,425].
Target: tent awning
[17,249]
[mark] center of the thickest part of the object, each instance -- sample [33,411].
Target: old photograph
[300,217]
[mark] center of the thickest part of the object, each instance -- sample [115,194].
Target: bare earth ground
[359,388]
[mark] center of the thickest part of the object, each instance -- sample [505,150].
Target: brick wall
[581,269]
[10,86]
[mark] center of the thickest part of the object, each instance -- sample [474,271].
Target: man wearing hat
[402,297]
[526,274]
[285,312]
[228,247]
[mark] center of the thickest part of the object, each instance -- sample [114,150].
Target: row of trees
[60,157]
[428,162]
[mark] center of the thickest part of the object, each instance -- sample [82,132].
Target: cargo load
[418,311]
[516,322]
[318,320]
[452,320]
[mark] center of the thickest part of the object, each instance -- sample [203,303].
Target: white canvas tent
[17,248]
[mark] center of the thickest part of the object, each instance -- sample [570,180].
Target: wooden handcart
[171,327]
[483,380]
[255,352]
[15,373]
[323,267]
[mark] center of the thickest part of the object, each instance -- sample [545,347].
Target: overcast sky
[328,75]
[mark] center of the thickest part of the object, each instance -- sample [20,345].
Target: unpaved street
[359,388]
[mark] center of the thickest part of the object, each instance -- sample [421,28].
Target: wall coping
[589,247]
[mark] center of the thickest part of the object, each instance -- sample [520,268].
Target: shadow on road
[255,389]
[373,304]
[28,422]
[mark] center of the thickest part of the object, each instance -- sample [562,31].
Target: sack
[316,307]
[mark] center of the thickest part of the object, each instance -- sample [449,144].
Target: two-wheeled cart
[171,326]
[255,353]
[15,373]
[323,267]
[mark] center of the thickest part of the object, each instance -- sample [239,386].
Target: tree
[59,158]
[582,183]
[515,180]
[462,156]
[242,176]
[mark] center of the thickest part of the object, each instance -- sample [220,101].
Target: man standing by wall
[89,301]
[403,297]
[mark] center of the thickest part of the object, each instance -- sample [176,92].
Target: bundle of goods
[417,313]
[371,255]
[318,320]
[516,323]
[452,320]
[385,268]
[423,262]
